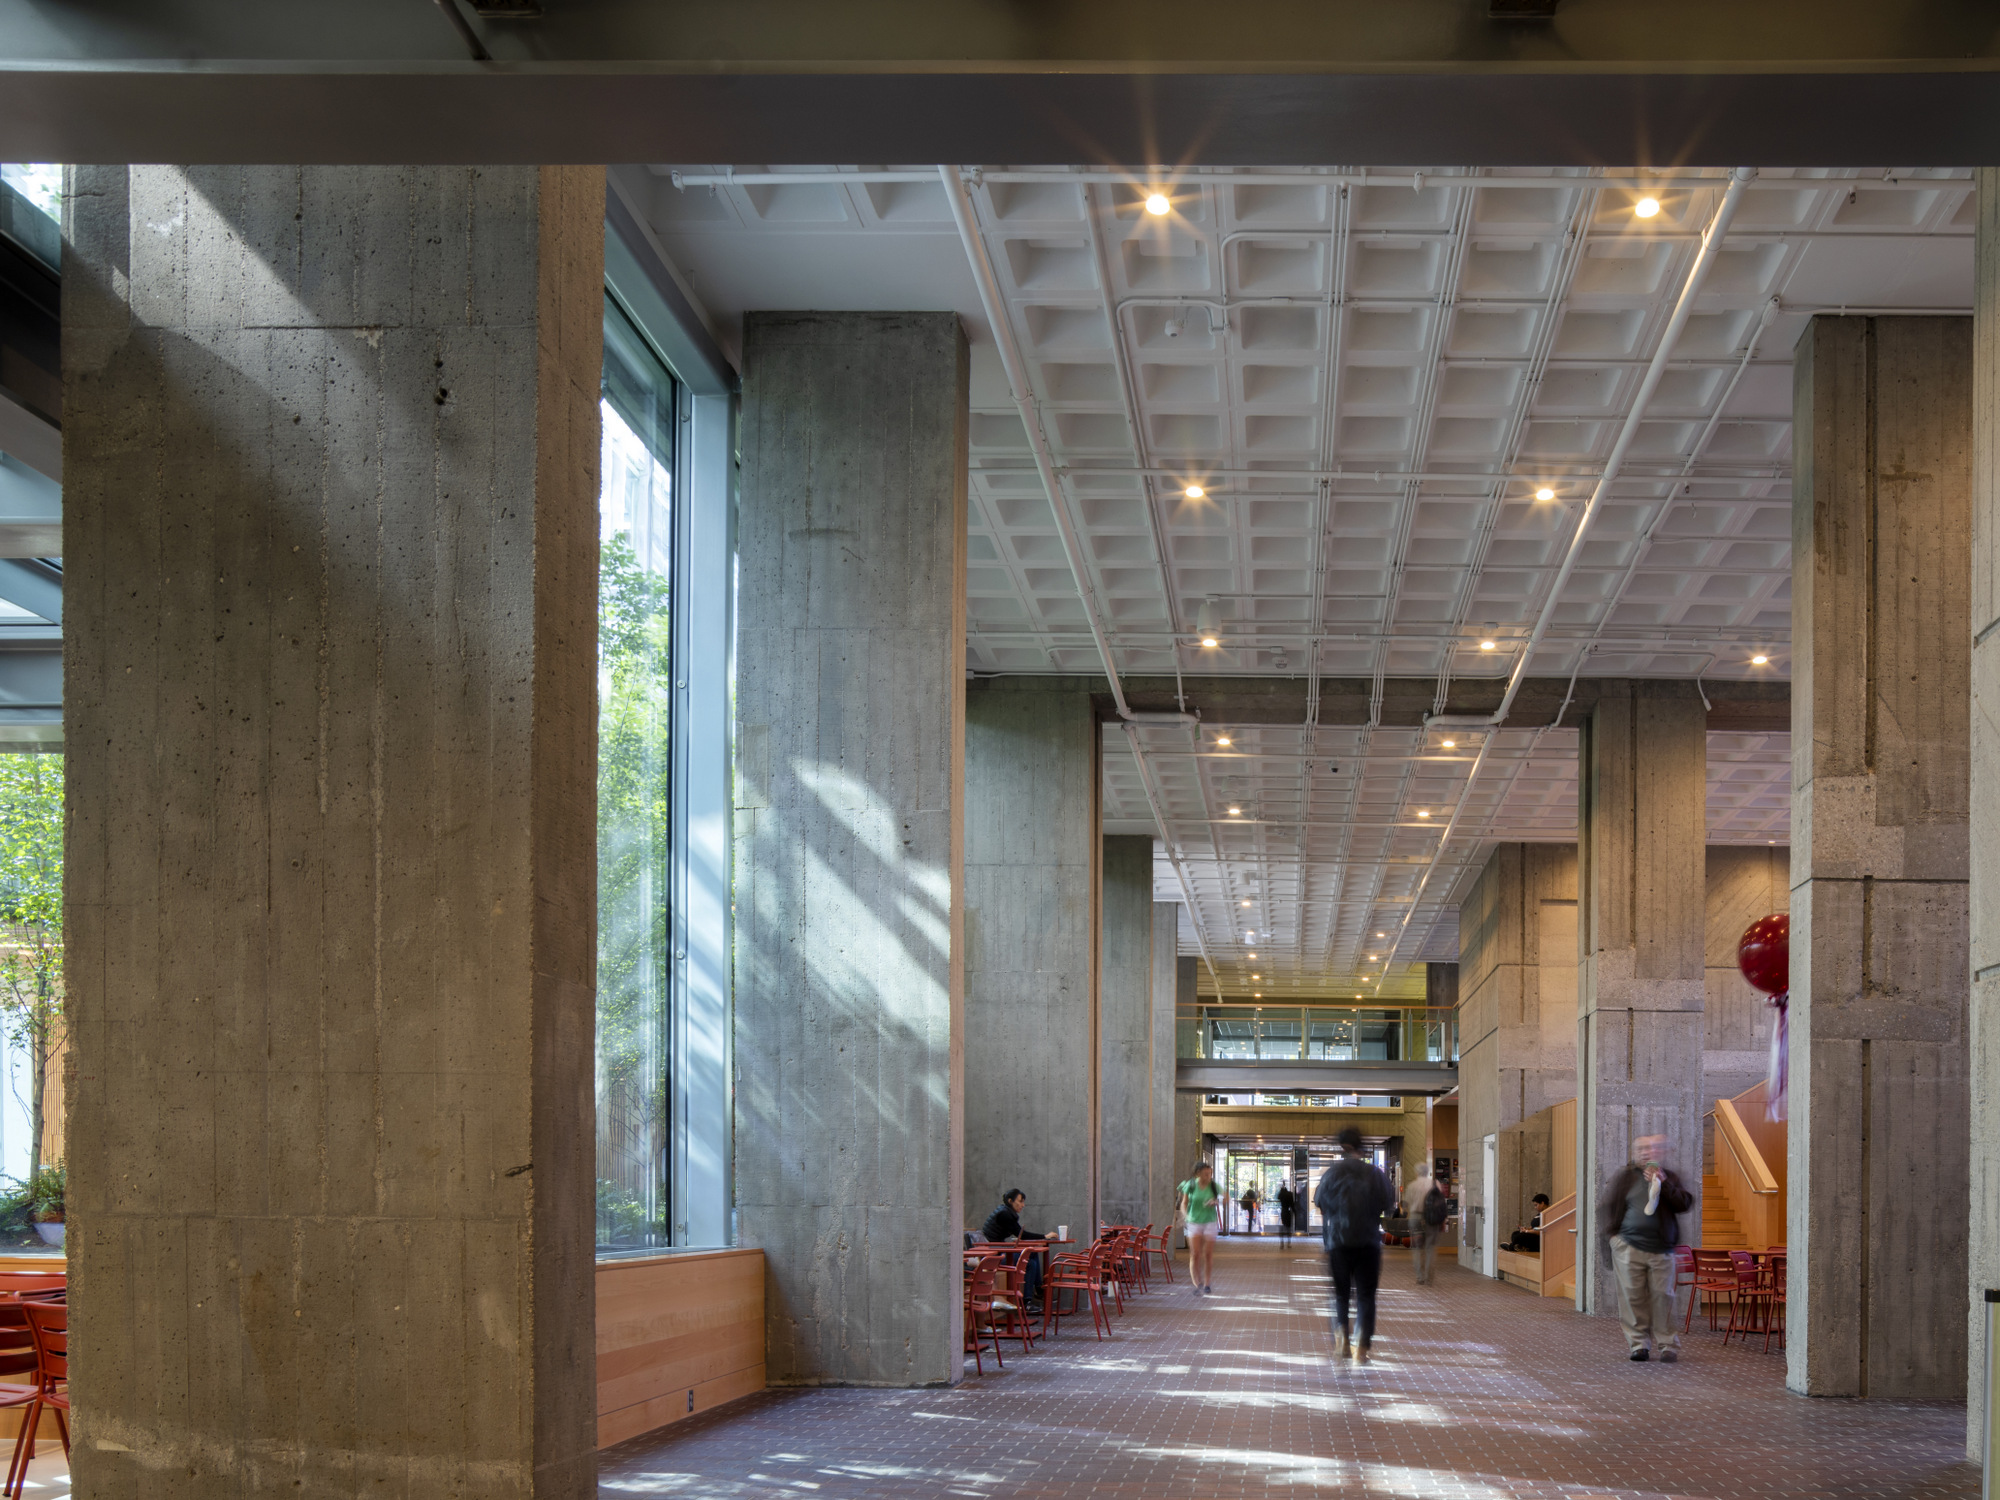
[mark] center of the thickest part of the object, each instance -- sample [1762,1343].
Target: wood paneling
[676,1334]
[1562,1149]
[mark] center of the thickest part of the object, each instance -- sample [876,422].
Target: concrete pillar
[331,550]
[1186,1147]
[1641,848]
[849,880]
[1031,877]
[1125,1033]
[1881,746]
[1984,866]
[1516,986]
[1161,1175]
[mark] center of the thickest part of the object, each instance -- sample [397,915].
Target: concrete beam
[331,684]
[1815,82]
[1881,793]
[1738,707]
[849,841]
[1319,1077]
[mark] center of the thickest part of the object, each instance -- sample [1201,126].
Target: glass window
[34,1029]
[40,183]
[634,792]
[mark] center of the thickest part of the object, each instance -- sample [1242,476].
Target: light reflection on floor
[1478,1391]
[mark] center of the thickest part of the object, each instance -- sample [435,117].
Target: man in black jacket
[1637,1216]
[1352,1197]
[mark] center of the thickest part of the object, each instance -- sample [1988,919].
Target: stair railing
[1748,1185]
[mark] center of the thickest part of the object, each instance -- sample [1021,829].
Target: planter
[52,1234]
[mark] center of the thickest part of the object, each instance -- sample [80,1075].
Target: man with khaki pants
[1638,1215]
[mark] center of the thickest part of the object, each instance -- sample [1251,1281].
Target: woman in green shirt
[1201,1204]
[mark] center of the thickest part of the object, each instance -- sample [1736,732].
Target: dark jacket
[1351,1197]
[1001,1225]
[1674,1199]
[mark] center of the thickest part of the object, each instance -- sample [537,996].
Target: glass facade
[635,724]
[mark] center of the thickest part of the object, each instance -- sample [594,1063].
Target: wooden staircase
[1719,1229]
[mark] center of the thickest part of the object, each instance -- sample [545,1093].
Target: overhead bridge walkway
[1317,1049]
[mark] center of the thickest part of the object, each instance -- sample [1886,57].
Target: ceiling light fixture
[1157,205]
[1645,208]
[1235,812]
[1545,493]
[1451,744]
[1207,626]
[1486,645]
[1195,492]
[1222,739]
[1423,812]
[1246,903]
[1760,659]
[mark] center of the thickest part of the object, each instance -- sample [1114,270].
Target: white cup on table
[1062,1231]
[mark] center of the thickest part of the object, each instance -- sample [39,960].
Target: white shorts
[1201,1231]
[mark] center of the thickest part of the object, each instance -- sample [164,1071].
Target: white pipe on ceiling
[1704,260]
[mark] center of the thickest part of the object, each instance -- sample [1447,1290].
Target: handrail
[1744,1149]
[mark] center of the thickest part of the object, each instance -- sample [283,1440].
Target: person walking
[1288,1214]
[1638,1215]
[1201,1207]
[1424,1206]
[1250,1209]
[1351,1197]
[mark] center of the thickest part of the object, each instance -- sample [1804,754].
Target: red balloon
[1765,954]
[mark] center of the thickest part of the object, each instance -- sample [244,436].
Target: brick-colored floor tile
[1478,1391]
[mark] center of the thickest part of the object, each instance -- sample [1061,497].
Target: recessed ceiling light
[1195,492]
[1258,996]
[1253,955]
[1371,958]
[1451,744]
[1759,659]
[1545,493]
[1423,812]
[1645,208]
[1381,934]
[1222,739]
[1235,812]
[1256,976]
[1157,204]
[1486,645]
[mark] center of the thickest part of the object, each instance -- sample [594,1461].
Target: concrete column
[849,881]
[1187,1102]
[1125,1033]
[1881,746]
[1984,865]
[1031,924]
[1641,847]
[1161,1175]
[1516,984]
[331,527]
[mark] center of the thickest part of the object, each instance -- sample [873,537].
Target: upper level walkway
[1478,1391]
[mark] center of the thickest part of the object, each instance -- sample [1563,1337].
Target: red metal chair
[17,1357]
[1714,1275]
[1749,1308]
[48,1327]
[1080,1274]
[980,1272]
[1774,1314]
[1165,1250]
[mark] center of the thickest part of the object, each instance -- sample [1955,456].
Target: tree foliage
[31,907]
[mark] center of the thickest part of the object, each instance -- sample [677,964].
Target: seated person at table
[1529,1236]
[1004,1224]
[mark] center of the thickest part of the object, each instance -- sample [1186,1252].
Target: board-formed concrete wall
[849,840]
[1125,1032]
[330,520]
[1032,917]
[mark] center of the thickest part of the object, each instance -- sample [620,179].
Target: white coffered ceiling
[1369,381]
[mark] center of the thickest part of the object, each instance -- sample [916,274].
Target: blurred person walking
[1638,1218]
[1351,1197]
[1424,1205]
[1288,1214]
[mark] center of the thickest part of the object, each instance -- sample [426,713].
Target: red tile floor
[1478,1391]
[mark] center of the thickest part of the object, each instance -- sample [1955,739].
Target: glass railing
[1318,1033]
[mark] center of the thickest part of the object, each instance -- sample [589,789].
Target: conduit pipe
[1704,261]
[1024,401]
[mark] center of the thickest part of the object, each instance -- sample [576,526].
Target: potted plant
[45,1194]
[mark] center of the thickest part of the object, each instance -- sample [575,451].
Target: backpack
[1351,1198]
[1434,1207]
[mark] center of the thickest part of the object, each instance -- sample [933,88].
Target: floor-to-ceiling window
[635,696]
